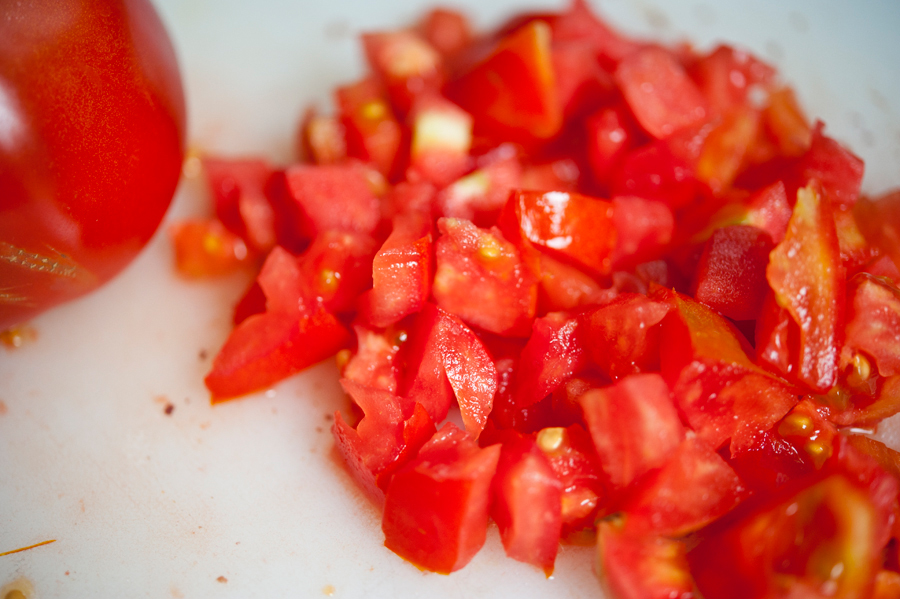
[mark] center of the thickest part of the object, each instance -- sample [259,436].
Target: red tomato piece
[482,279]
[480,195]
[643,228]
[321,139]
[372,132]
[634,425]
[443,355]
[441,140]
[622,337]
[879,221]
[692,488]
[806,274]
[579,23]
[873,322]
[436,507]
[401,272]
[407,65]
[817,537]
[574,460]
[324,197]
[239,195]
[288,337]
[527,504]
[336,268]
[639,566]
[564,287]
[447,30]
[725,150]
[206,248]
[610,135]
[838,171]
[374,444]
[581,83]
[511,93]
[786,124]
[553,353]
[570,224]
[653,172]
[731,275]
[374,362]
[659,92]
[726,77]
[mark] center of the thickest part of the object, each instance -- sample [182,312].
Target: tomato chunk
[436,507]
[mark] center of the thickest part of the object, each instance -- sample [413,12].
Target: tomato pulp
[92,124]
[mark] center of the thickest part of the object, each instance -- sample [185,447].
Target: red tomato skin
[239,196]
[527,504]
[575,226]
[87,84]
[436,507]
[726,76]
[653,172]
[659,92]
[634,425]
[371,130]
[643,228]
[731,274]
[807,276]
[879,221]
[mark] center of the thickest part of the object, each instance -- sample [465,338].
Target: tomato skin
[84,85]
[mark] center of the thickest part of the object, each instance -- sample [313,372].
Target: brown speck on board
[169,409]
[3,408]
[67,572]
[222,579]
[319,429]
[329,417]
[202,354]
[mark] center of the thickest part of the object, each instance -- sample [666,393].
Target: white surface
[148,505]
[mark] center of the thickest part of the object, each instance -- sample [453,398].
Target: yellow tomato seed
[550,439]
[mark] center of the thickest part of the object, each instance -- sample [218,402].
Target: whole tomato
[92,122]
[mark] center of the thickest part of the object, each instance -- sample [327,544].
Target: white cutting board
[247,499]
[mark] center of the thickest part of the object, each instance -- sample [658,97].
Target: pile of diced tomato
[587,287]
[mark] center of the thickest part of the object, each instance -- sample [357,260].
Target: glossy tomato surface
[92,122]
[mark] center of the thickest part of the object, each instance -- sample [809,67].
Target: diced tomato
[622,337]
[448,352]
[336,268]
[436,507]
[634,425]
[643,228]
[374,362]
[401,272]
[838,171]
[557,175]
[407,65]
[564,287]
[727,76]
[553,353]
[325,197]
[574,460]
[873,322]
[441,140]
[582,85]
[448,31]
[480,195]
[653,172]
[239,197]
[511,93]
[786,124]
[206,248]
[693,487]
[579,23]
[879,221]
[321,139]
[527,505]
[817,537]
[726,148]
[639,566]
[482,279]
[659,92]
[610,135]
[806,274]
[570,224]
[731,274]
[372,132]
